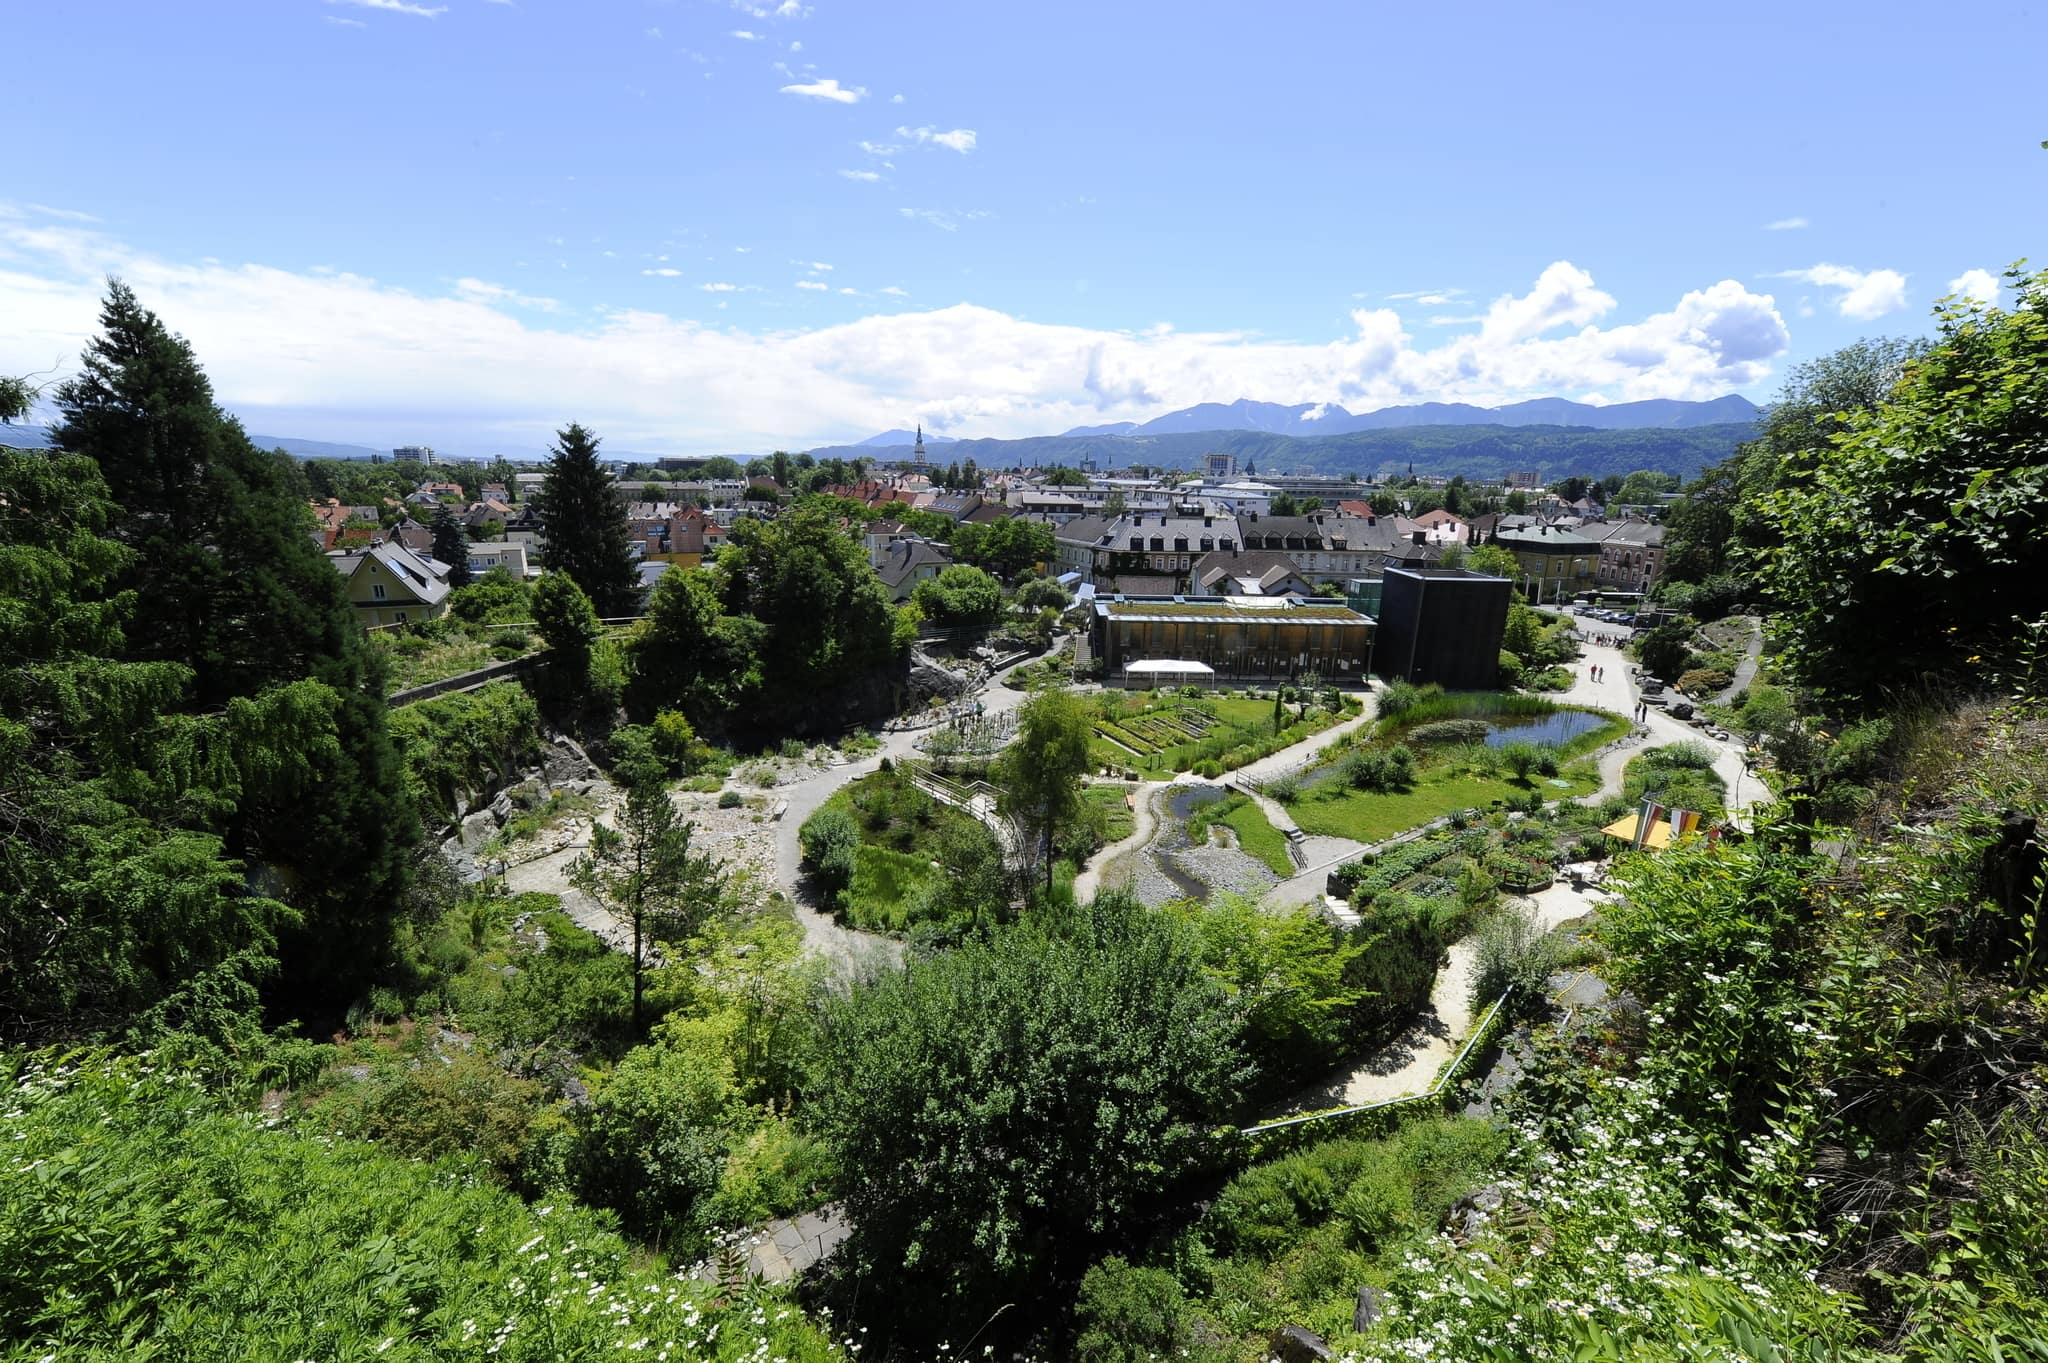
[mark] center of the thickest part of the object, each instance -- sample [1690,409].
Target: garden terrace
[1156,736]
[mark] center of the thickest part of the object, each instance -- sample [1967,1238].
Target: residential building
[507,554]
[423,454]
[1241,638]
[1219,466]
[910,561]
[1259,572]
[1631,554]
[1156,544]
[1557,562]
[1442,625]
[389,584]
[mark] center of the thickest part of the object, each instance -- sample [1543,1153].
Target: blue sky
[466,222]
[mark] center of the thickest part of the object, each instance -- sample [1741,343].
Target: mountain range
[1327,418]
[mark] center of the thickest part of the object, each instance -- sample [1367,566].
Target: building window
[377,590]
[398,616]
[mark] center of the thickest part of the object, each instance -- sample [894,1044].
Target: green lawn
[1337,810]
[1256,835]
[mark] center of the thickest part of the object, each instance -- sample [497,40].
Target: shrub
[1381,769]
[1129,1314]
[730,799]
[1513,954]
[1402,696]
[1286,789]
[1520,758]
[830,841]
[1510,672]
[1704,681]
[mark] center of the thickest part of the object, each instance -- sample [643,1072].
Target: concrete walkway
[780,1250]
[1617,691]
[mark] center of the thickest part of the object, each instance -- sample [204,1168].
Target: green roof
[1209,610]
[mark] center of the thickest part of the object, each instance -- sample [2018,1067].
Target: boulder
[565,760]
[476,828]
[1369,1308]
[1296,1344]
[502,807]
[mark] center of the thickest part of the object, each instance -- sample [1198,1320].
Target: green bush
[1513,955]
[1129,1314]
[1381,769]
[730,799]
[1704,681]
[462,742]
[829,841]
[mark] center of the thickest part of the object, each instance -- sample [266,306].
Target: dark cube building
[1442,625]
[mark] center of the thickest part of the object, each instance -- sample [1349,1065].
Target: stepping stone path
[778,1251]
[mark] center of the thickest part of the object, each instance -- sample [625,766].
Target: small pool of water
[1187,799]
[1551,731]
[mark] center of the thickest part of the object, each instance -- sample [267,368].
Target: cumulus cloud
[1979,286]
[864,176]
[745,35]
[1865,294]
[959,139]
[879,148]
[665,272]
[814,284]
[342,356]
[828,88]
[1786,225]
[893,291]
[719,288]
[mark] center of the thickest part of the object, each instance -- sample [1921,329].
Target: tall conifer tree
[586,525]
[229,583]
[451,546]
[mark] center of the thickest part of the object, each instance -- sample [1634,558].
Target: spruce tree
[229,583]
[586,525]
[451,546]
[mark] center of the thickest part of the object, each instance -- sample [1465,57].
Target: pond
[1551,731]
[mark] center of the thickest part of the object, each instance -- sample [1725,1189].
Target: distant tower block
[917,450]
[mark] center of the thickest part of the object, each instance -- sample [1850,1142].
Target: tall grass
[1430,706]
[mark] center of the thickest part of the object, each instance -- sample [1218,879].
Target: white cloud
[959,139]
[796,47]
[746,36]
[334,355]
[866,176]
[828,88]
[1786,225]
[945,219]
[483,291]
[852,293]
[818,286]
[878,148]
[396,7]
[894,292]
[665,272]
[895,99]
[719,288]
[1979,286]
[340,22]
[817,265]
[743,250]
[1866,294]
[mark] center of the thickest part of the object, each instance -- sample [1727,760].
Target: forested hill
[1478,452]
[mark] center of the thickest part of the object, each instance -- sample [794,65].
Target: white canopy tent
[1151,672]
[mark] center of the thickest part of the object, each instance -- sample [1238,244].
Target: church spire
[917,450]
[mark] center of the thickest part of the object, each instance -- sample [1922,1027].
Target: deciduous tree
[1040,773]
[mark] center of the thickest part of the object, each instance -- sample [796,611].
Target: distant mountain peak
[889,439]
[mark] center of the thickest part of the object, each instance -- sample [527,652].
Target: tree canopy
[960,595]
[1912,539]
[1007,1112]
